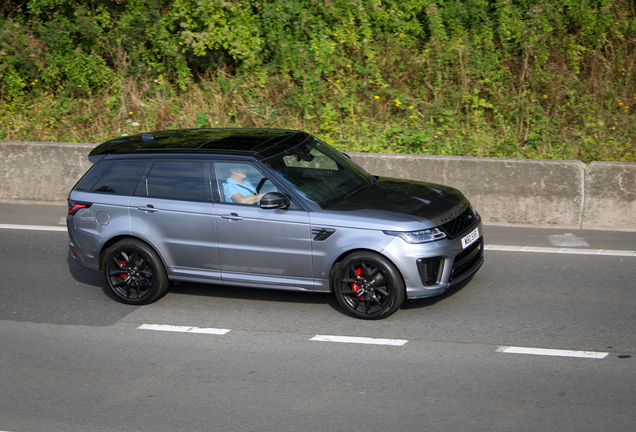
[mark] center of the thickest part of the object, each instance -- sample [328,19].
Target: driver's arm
[248,199]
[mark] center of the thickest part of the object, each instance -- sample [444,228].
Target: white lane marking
[500,248]
[567,240]
[377,341]
[359,340]
[552,352]
[183,329]
[604,252]
[32,227]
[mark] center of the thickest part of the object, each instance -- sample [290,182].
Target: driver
[239,189]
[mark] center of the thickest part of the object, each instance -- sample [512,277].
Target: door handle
[148,209]
[232,216]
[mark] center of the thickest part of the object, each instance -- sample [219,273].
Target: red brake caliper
[355,286]
[122,275]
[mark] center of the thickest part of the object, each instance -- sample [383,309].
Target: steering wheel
[260,185]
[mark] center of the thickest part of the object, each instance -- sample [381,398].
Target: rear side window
[182,180]
[117,177]
[93,174]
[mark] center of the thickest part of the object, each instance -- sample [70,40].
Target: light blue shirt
[232,186]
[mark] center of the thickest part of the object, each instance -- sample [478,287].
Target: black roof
[262,143]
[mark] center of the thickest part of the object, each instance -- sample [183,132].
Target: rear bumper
[80,259]
[83,256]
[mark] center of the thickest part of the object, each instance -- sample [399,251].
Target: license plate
[470,238]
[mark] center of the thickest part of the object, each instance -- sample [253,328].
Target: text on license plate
[470,238]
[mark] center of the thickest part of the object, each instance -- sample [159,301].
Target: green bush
[505,78]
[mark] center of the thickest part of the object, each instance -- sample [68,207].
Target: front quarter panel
[343,240]
[404,256]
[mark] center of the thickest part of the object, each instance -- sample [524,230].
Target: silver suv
[266,208]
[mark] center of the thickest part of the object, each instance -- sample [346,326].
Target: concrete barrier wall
[610,196]
[43,172]
[505,191]
[521,192]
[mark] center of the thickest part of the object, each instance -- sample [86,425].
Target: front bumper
[430,269]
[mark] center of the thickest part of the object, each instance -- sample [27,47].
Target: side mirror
[274,201]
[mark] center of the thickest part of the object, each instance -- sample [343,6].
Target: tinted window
[121,178]
[93,174]
[182,180]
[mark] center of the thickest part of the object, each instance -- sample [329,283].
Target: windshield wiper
[358,189]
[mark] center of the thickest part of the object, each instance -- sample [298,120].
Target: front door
[259,248]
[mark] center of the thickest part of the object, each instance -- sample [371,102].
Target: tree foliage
[513,67]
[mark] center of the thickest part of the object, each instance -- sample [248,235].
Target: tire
[133,272]
[368,286]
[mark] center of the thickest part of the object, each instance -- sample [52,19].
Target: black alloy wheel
[133,272]
[368,286]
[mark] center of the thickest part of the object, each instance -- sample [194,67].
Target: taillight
[74,206]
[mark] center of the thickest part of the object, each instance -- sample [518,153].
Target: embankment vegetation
[505,78]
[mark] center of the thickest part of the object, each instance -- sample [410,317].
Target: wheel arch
[349,252]
[107,244]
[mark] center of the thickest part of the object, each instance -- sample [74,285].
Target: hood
[407,199]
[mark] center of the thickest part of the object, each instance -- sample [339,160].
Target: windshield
[319,173]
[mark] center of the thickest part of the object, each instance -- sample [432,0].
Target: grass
[574,117]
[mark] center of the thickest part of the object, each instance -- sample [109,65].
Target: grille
[465,260]
[460,223]
[429,269]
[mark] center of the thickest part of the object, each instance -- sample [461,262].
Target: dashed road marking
[183,329]
[359,340]
[552,352]
[379,341]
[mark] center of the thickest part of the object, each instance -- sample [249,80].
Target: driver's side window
[241,183]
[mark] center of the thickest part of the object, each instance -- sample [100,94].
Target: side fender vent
[322,234]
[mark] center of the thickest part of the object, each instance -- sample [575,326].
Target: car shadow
[285,296]
[430,301]
[237,292]
[83,275]
[95,279]
[87,277]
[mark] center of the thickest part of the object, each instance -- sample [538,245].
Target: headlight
[414,237]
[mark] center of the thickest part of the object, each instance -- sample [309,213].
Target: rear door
[172,209]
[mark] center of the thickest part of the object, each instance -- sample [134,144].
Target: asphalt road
[73,359]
